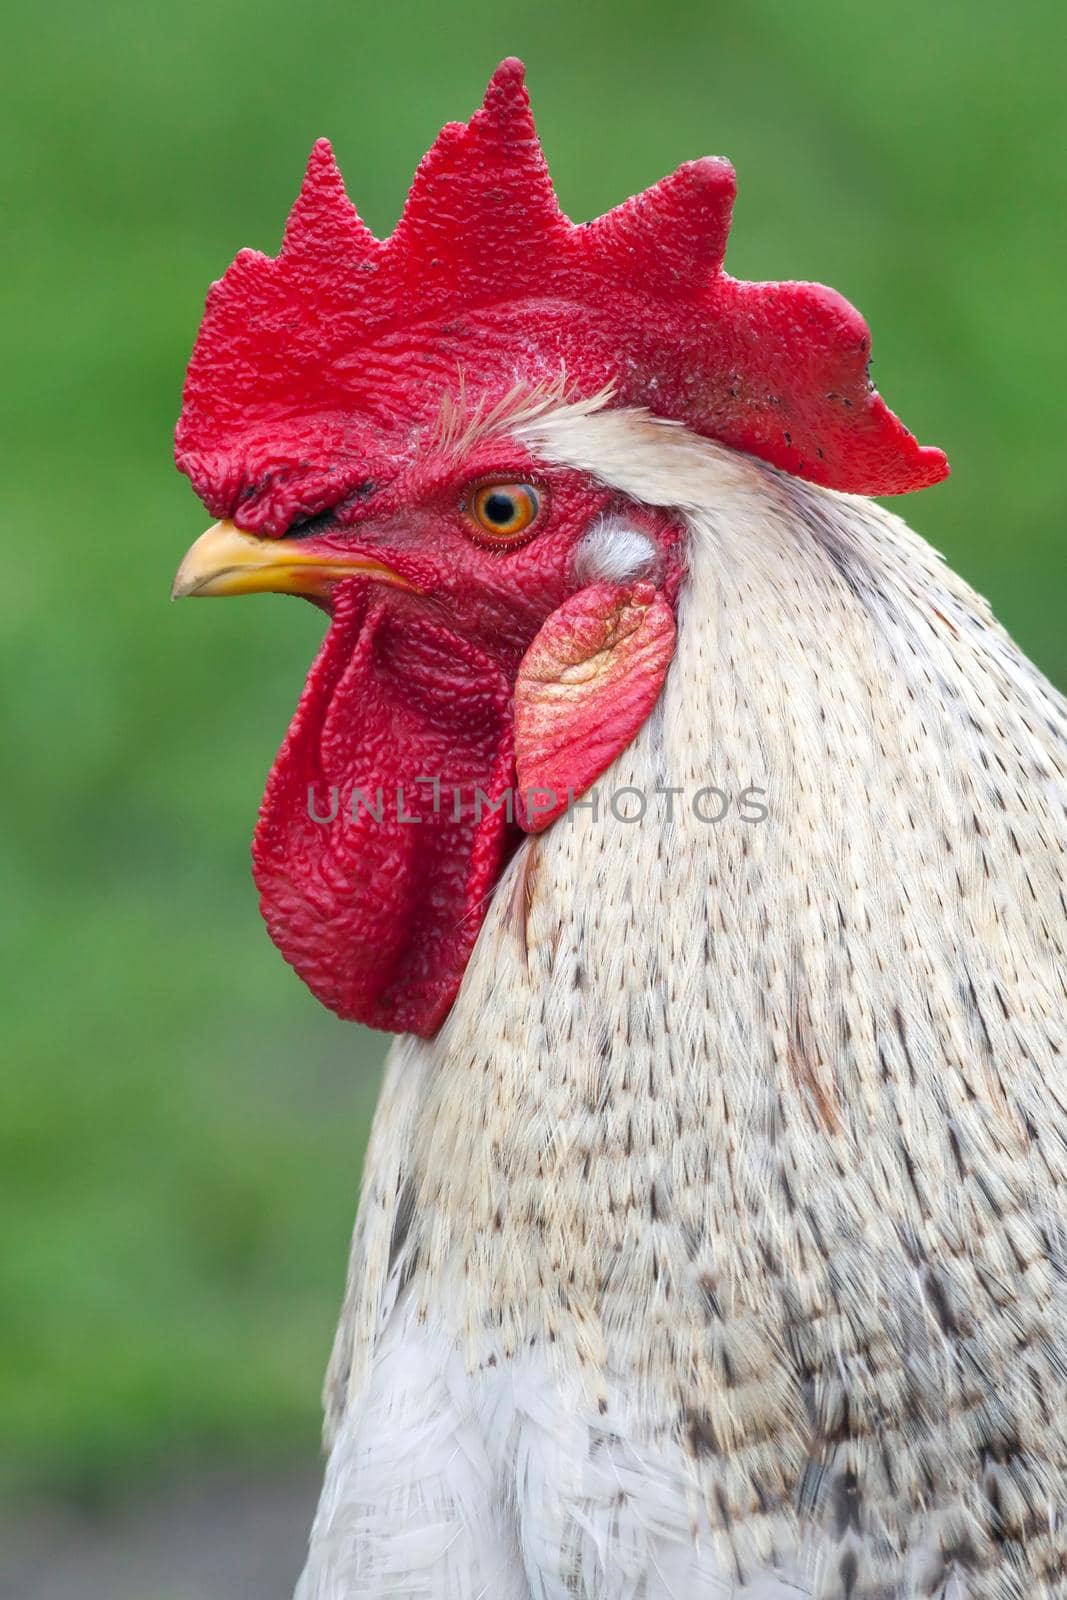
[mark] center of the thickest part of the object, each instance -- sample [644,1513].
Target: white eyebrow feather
[460,426]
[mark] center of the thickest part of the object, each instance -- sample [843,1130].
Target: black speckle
[939,1304]
[846,1504]
[402,1220]
[701,1435]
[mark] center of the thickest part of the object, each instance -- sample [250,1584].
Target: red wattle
[378,911]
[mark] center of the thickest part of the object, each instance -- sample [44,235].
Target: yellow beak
[226,561]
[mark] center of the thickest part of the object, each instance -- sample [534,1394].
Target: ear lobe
[584,687]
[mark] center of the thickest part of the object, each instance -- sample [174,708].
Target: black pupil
[500,508]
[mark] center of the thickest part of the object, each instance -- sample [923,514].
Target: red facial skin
[379,915]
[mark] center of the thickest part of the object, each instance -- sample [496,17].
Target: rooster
[702,837]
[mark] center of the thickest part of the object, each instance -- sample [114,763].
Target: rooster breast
[715,1246]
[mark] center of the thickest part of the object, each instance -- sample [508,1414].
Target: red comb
[311,366]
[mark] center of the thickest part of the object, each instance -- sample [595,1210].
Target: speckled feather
[715,1246]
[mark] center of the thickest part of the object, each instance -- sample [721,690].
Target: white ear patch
[615,551]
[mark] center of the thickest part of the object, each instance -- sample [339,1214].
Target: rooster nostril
[308,527]
[323,521]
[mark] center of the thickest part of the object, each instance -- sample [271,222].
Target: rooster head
[500,627]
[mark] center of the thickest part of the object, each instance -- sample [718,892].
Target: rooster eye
[504,509]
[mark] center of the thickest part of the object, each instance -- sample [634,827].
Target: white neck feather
[701,1075]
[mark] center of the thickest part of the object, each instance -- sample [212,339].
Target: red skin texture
[314,391]
[584,688]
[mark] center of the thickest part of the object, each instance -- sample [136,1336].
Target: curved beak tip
[182,584]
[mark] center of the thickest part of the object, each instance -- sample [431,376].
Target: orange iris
[504,510]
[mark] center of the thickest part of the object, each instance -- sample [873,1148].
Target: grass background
[180,1124]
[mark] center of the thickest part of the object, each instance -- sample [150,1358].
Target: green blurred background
[181,1126]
